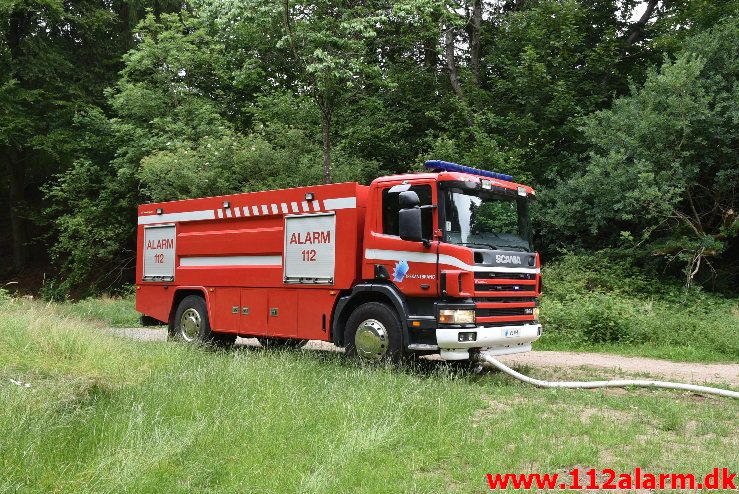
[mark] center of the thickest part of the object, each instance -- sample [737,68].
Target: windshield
[486,220]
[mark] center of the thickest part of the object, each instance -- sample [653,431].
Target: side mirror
[408,199]
[409,224]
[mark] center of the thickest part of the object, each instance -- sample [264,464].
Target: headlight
[456,316]
[536,313]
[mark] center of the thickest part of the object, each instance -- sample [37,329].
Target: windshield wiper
[522,249]
[480,244]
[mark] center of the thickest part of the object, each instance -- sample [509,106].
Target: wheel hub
[371,340]
[190,324]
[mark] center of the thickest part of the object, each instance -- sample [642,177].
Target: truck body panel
[231,248]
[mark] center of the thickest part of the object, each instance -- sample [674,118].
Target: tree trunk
[16,185]
[431,43]
[429,54]
[326,127]
[634,34]
[451,64]
[14,168]
[475,26]
[637,29]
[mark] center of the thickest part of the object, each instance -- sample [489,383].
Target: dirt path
[616,364]
[680,371]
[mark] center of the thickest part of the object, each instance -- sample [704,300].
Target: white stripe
[231,261]
[246,210]
[430,258]
[316,205]
[340,203]
[264,209]
[274,208]
[229,213]
[237,212]
[294,206]
[284,208]
[305,206]
[220,213]
[170,217]
[255,210]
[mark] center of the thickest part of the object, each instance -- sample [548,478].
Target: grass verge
[117,312]
[105,414]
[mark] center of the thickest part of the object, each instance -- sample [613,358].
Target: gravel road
[613,364]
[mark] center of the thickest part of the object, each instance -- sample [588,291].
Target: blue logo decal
[401,268]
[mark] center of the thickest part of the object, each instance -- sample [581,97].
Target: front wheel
[373,333]
[192,324]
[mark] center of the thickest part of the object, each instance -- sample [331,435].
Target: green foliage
[106,105]
[663,165]
[550,65]
[603,298]
[231,164]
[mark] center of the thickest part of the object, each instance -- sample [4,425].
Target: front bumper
[496,340]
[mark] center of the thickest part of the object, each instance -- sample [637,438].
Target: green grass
[108,311]
[106,414]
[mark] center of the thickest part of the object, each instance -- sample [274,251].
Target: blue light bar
[453,167]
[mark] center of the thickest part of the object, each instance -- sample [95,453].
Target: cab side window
[390,209]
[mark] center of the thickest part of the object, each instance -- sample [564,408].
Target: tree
[228,96]
[56,58]
[663,167]
[327,41]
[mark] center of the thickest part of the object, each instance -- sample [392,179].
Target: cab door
[411,266]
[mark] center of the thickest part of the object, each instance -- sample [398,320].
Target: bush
[600,299]
[596,318]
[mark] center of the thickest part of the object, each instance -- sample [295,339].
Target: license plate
[511,333]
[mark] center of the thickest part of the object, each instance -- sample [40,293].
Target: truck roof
[445,176]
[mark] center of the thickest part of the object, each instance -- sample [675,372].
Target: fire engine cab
[434,262]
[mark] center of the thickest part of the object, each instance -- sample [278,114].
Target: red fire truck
[434,262]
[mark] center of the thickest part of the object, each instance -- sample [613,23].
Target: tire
[269,342]
[373,333]
[192,324]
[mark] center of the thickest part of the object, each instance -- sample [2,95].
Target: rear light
[536,313]
[467,336]
[456,316]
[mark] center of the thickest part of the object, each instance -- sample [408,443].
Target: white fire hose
[618,383]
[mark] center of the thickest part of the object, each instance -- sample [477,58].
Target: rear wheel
[268,342]
[192,324]
[373,333]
